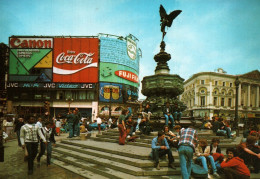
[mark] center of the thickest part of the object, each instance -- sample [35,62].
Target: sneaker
[208,175]
[128,136]
[133,133]
[171,166]
[215,174]
[158,166]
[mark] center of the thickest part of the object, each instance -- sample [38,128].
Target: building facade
[214,93]
[97,74]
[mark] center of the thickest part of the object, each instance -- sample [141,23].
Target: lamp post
[110,91]
[237,82]
[70,100]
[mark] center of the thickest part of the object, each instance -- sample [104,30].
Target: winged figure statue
[167,19]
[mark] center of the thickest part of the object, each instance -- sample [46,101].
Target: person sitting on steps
[160,147]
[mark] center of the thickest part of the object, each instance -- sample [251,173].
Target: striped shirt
[30,132]
[188,137]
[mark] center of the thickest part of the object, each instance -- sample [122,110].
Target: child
[48,133]
[58,126]
[130,127]
[215,150]
[138,122]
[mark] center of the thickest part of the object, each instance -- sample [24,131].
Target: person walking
[29,138]
[17,129]
[186,148]
[48,133]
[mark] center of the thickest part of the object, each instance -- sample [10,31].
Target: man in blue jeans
[167,112]
[160,148]
[187,142]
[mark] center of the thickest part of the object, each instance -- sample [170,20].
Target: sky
[207,34]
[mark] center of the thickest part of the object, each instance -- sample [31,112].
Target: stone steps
[111,160]
[142,163]
[145,140]
[102,155]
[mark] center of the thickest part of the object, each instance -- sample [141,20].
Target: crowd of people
[238,162]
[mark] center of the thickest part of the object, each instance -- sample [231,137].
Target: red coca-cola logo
[80,58]
[128,75]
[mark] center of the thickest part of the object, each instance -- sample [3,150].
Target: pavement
[14,166]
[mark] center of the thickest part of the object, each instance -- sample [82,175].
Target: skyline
[207,34]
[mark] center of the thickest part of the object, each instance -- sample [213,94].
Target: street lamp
[237,82]
[110,91]
[70,100]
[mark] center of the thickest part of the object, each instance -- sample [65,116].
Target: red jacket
[237,164]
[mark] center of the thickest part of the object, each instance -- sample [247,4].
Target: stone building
[214,93]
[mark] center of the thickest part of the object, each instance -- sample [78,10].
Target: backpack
[198,172]
[221,133]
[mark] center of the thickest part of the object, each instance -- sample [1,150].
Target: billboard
[30,59]
[110,72]
[75,60]
[110,92]
[51,85]
[123,52]
[130,93]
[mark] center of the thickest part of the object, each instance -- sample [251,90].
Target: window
[215,92]
[216,83]
[24,95]
[82,95]
[202,100]
[215,101]
[90,95]
[46,96]
[224,83]
[202,82]
[230,85]
[202,91]
[229,102]
[60,95]
[222,101]
[118,109]
[37,96]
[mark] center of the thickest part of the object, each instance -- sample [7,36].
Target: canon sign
[16,42]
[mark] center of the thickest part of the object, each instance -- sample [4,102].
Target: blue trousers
[167,120]
[70,130]
[203,160]
[177,116]
[186,155]
[42,151]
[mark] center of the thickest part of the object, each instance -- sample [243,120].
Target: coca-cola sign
[76,60]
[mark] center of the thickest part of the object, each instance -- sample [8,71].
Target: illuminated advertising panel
[51,85]
[110,92]
[30,59]
[118,51]
[75,60]
[110,72]
[130,93]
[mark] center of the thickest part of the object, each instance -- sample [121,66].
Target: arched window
[118,109]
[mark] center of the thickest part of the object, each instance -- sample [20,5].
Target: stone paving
[14,166]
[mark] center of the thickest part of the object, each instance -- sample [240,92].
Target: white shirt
[58,124]
[214,149]
[39,124]
[99,121]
